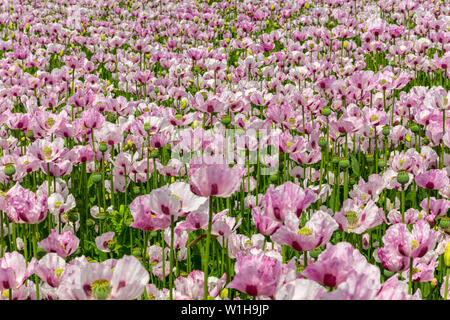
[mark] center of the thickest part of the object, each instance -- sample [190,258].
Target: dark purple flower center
[329,280]
[429,185]
[251,290]
[214,189]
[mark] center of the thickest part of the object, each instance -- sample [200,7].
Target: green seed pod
[73,216]
[322,142]
[444,223]
[326,111]
[103,147]
[314,253]
[147,127]
[370,158]
[344,163]
[415,128]
[136,252]
[178,116]
[403,177]
[10,170]
[335,160]
[273,178]
[96,177]
[136,190]
[381,163]
[101,215]
[111,244]
[154,153]
[30,134]
[386,130]
[426,141]
[226,120]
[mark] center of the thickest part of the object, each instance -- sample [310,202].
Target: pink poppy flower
[191,287]
[49,268]
[438,207]
[63,244]
[14,270]
[316,232]
[215,179]
[25,206]
[57,204]
[393,289]
[433,179]
[47,151]
[409,244]
[256,275]
[125,280]
[92,119]
[301,289]
[353,218]
[264,224]
[336,263]
[288,197]
[144,218]
[103,241]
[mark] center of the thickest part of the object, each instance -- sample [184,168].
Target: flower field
[224,150]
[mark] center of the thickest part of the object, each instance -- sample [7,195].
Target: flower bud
[433,283]
[226,120]
[447,255]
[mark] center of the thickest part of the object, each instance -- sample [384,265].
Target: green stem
[33,231]
[410,276]
[208,240]
[172,235]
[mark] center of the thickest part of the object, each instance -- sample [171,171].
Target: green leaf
[355,165]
